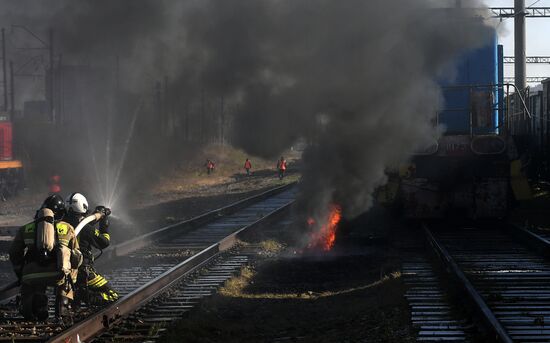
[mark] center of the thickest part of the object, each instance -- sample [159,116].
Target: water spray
[94,161]
[107,189]
[112,199]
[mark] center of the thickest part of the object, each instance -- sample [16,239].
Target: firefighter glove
[103,210]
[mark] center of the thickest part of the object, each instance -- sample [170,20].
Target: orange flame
[325,237]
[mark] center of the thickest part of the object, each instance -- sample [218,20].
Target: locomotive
[475,169]
[11,170]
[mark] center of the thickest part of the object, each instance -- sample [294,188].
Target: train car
[474,169]
[532,130]
[11,170]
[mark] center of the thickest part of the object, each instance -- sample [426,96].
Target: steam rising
[356,78]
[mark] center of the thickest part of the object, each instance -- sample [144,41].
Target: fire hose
[86,221]
[100,213]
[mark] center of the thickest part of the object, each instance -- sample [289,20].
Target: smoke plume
[357,78]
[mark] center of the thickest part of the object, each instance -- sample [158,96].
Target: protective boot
[34,307]
[108,295]
[33,303]
[97,289]
[40,307]
[63,310]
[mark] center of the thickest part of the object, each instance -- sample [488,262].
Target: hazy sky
[537,31]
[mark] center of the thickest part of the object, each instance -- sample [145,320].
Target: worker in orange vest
[281,167]
[247,167]
[209,166]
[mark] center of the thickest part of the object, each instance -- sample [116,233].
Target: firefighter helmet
[56,204]
[77,203]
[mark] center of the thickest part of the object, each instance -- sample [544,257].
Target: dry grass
[236,288]
[190,180]
[271,246]
[228,160]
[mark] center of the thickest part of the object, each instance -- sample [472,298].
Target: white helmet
[77,202]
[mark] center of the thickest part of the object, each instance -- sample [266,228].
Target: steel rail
[122,249]
[188,225]
[110,316]
[540,244]
[487,315]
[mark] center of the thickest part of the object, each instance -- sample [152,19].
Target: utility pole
[167,108]
[61,91]
[4,74]
[222,121]
[116,101]
[12,91]
[158,100]
[117,75]
[187,138]
[519,44]
[51,81]
[203,119]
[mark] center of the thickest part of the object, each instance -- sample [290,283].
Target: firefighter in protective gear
[92,287]
[37,269]
[281,167]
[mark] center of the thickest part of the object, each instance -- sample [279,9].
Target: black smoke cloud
[366,70]
[361,74]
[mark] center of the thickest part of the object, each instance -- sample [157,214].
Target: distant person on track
[45,253]
[91,288]
[247,167]
[209,166]
[54,184]
[281,167]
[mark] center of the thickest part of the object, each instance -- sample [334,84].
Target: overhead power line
[529,59]
[532,79]
[533,12]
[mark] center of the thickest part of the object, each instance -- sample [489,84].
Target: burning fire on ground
[324,233]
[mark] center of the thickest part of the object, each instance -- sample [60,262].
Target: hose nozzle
[105,211]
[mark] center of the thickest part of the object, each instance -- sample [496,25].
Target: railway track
[150,321]
[432,311]
[507,281]
[144,267]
